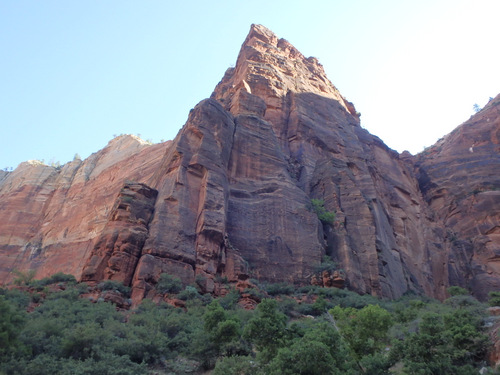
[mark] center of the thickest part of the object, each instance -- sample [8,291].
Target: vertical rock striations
[383,237]
[460,179]
[52,217]
[230,196]
[120,244]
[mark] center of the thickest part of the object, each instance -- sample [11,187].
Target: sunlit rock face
[230,197]
[52,217]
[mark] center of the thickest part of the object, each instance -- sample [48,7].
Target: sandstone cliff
[52,217]
[230,196]
[460,179]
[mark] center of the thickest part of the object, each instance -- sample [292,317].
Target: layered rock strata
[230,197]
[52,217]
[459,177]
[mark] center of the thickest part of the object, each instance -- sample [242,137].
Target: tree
[267,329]
[319,351]
[308,357]
[237,365]
[444,344]
[220,326]
[364,330]
[24,278]
[11,322]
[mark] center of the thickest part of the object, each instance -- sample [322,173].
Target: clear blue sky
[75,73]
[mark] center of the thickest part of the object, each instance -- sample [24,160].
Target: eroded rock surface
[230,197]
[51,218]
[120,245]
[460,179]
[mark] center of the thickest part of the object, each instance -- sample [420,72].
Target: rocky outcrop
[230,197]
[460,179]
[119,247]
[51,217]
[383,237]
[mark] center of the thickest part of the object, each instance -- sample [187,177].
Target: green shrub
[366,330]
[327,264]
[457,291]
[24,277]
[266,329]
[188,294]
[279,289]
[18,298]
[325,216]
[494,298]
[58,277]
[115,286]
[11,321]
[221,279]
[168,284]
[254,293]
[230,300]
[240,365]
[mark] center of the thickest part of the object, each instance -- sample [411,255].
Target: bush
[19,299]
[230,300]
[303,357]
[257,294]
[58,277]
[24,278]
[279,289]
[457,291]
[115,286]
[188,294]
[11,322]
[168,284]
[494,298]
[365,330]
[241,365]
[327,264]
[318,207]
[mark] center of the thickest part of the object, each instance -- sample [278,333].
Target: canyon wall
[230,196]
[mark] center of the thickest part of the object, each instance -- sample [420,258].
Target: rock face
[120,245]
[230,196]
[51,218]
[460,179]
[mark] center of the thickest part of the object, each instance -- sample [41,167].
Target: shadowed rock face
[230,196]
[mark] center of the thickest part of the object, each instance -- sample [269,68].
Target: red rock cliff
[231,196]
[460,179]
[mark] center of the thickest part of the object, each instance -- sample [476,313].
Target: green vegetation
[300,330]
[494,298]
[327,264]
[168,284]
[114,286]
[24,278]
[318,207]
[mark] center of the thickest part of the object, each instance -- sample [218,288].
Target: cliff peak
[270,68]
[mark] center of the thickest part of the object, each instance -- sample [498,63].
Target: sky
[74,74]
